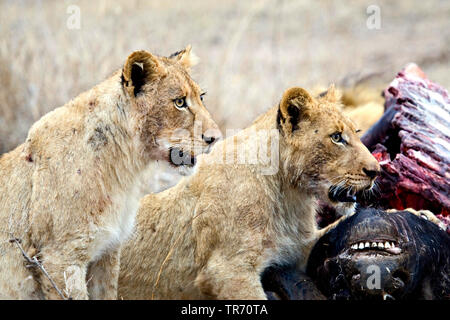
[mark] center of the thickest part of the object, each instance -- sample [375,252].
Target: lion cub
[69,192]
[213,234]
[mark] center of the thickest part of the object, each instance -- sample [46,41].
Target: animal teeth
[379,245]
[395,250]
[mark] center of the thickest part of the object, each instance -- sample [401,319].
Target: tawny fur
[69,192]
[213,234]
[362,103]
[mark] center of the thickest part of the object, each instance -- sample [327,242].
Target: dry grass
[250,50]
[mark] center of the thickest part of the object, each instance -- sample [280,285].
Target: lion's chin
[345,208]
[341,194]
[186,170]
[338,194]
[344,199]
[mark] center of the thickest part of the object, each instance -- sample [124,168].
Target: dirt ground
[250,51]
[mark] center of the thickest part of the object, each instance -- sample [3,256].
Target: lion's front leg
[64,273]
[230,279]
[321,232]
[103,276]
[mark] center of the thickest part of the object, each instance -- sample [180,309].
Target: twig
[165,260]
[172,248]
[34,261]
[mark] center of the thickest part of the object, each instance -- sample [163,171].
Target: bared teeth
[394,250]
[383,245]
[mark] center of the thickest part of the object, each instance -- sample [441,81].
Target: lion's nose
[372,173]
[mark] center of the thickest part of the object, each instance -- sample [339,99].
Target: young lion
[69,193]
[213,234]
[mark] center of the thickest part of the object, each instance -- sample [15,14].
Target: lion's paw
[424,214]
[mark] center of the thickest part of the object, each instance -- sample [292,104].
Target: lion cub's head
[167,107]
[322,149]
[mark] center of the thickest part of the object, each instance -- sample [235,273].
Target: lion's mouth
[178,157]
[342,194]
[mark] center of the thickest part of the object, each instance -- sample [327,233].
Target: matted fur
[69,193]
[213,234]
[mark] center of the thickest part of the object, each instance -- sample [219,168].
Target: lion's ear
[140,68]
[294,107]
[332,94]
[187,58]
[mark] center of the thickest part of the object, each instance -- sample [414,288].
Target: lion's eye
[202,95]
[337,138]
[180,103]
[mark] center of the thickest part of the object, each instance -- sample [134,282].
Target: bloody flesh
[412,144]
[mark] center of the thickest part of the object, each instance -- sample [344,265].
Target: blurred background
[250,51]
